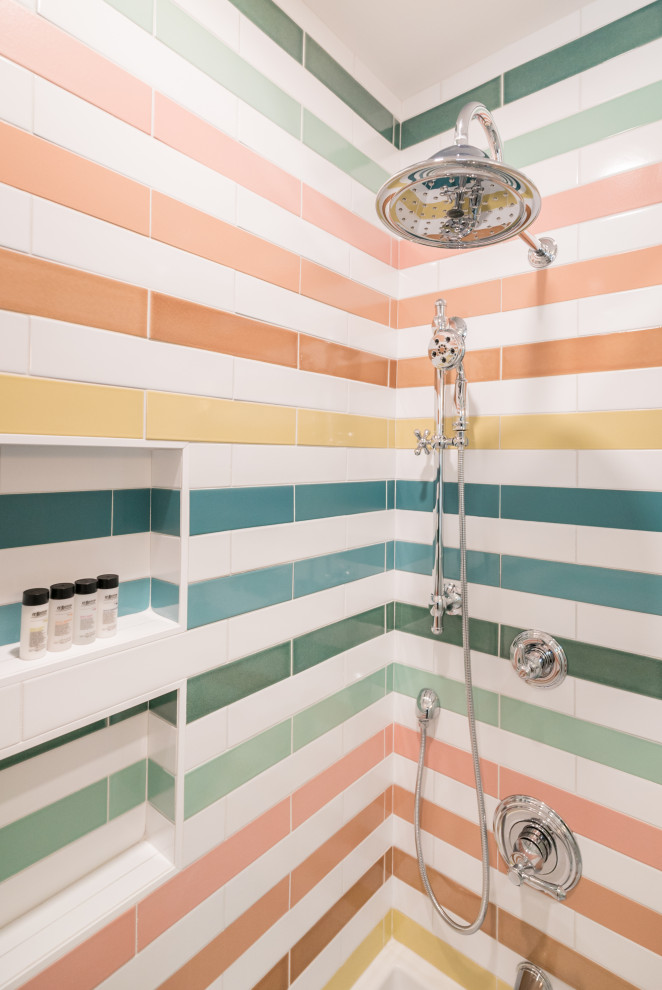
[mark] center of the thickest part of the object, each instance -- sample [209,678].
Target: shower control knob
[538,659]
[424,443]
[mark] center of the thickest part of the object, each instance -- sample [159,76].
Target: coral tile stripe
[208,964]
[626,835]
[330,782]
[347,226]
[471,300]
[617,913]
[43,288]
[44,169]
[480,366]
[328,358]
[443,824]
[342,293]
[90,963]
[200,140]
[43,48]
[446,759]
[192,885]
[581,355]
[199,233]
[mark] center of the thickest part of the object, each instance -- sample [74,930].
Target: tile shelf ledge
[32,942]
[39,439]
[133,630]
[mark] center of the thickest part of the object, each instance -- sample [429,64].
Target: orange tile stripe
[569,356]
[446,759]
[51,53]
[342,223]
[44,169]
[613,273]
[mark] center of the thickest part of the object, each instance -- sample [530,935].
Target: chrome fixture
[427,705]
[464,197]
[530,977]
[538,659]
[537,846]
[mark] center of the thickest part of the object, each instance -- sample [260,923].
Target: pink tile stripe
[43,48]
[196,882]
[328,215]
[92,962]
[200,140]
[446,759]
[336,778]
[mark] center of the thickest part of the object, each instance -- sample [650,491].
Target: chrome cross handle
[424,443]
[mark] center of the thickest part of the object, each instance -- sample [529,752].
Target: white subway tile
[632,470]
[27,468]
[621,873]
[15,217]
[366,464]
[623,152]
[203,832]
[209,465]
[209,556]
[263,301]
[280,622]
[365,399]
[10,715]
[623,711]
[624,792]
[14,342]
[617,954]
[370,527]
[257,381]
[16,94]
[634,632]
[632,389]
[629,549]
[256,464]
[262,546]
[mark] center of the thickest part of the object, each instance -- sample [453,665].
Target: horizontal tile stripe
[44,169]
[275,23]
[43,288]
[630,590]
[418,558]
[127,789]
[44,49]
[445,759]
[335,219]
[215,510]
[166,510]
[336,290]
[584,506]
[416,619]
[321,644]
[332,569]
[141,12]
[327,429]
[459,967]
[326,358]
[161,790]
[54,517]
[336,149]
[332,711]
[173,416]
[444,825]
[452,694]
[442,118]
[220,598]
[224,685]
[339,499]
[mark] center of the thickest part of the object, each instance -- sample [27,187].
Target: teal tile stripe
[336,709]
[480,500]
[274,22]
[165,599]
[330,145]
[215,510]
[215,689]
[213,780]
[583,506]
[642,106]
[127,789]
[165,706]
[131,511]
[318,573]
[166,511]
[418,558]
[614,668]
[161,790]
[54,517]
[41,833]
[340,82]
[141,12]
[134,596]
[442,118]
[452,694]
[629,32]
[10,623]
[339,499]
[221,598]
[611,748]
[205,51]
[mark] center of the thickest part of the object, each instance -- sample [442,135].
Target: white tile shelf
[29,439]
[133,630]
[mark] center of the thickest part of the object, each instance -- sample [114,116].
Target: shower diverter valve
[537,846]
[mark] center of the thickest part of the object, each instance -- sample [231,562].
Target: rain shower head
[463,197]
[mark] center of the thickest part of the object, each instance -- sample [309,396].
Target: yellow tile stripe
[359,960]
[171,416]
[328,429]
[634,429]
[438,953]
[56,408]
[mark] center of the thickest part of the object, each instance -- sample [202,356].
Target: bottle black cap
[63,590]
[108,581]
[86,586]
[35,596]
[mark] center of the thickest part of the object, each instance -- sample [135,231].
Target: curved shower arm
[541,252]
[478,111]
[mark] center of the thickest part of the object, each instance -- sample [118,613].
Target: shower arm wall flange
[541,252]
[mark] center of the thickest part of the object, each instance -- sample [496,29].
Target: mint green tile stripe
[41,833]
[635,756]
[336,709]
[332,146]
[141,12]
[127,789]
[642,106]
[204,50]
[161,789]
[410,680]
[213,780]
[274,22]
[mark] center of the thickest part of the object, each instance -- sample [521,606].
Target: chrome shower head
[447,345]
[463,197]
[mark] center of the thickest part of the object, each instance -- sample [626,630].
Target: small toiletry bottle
[107,600]
[61,617]
[34,624]
[85,611]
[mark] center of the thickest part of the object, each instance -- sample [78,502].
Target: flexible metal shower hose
[480,800]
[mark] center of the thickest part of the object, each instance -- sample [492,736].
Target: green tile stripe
[336,709]
[161,789]
[416,619]
[442,118]
[601,665]
[205,51]
[629,32]
[611,748]
[275,23]
[346,88]
[332,146]
[127,789]
[409,680]
[29,754]
[322,644]
[211,781]
[141,12]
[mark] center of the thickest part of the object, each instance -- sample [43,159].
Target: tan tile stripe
[607,908]
[528,942]
[569,356]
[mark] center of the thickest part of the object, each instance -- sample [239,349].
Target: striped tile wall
[189,247]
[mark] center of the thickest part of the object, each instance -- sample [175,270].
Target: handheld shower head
[447,345]
[463,197]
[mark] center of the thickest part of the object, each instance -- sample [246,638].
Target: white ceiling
[412,48]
